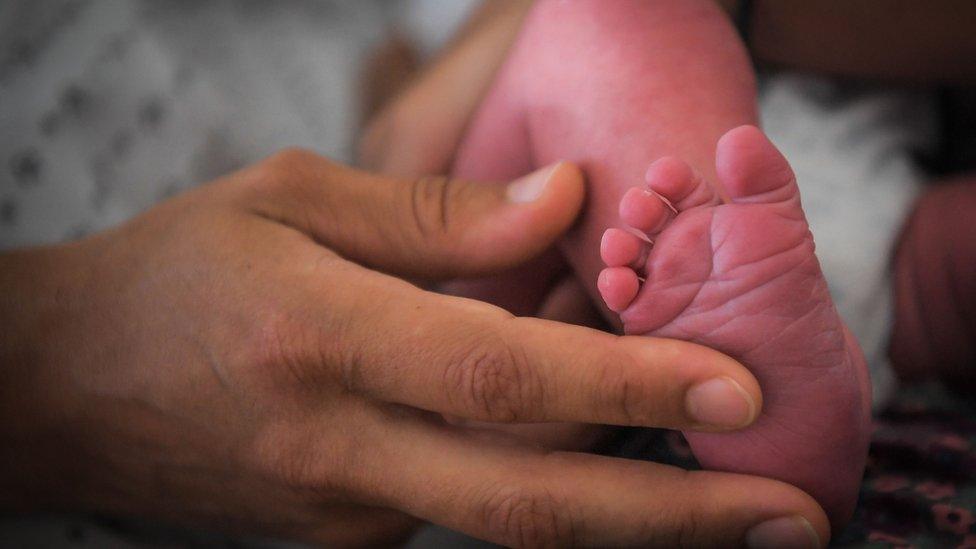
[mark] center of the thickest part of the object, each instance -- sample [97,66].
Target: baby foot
[741,277]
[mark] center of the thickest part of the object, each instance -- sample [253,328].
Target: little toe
[618,286]
[644,210]
[752,169]
[619,248]
[676,181]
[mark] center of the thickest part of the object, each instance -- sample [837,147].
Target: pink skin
[572,89]
[742,277]
[614,86]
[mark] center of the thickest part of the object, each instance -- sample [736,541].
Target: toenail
[783,532]
[720,402]
[531,187]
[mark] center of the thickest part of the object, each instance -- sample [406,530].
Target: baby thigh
[615,85]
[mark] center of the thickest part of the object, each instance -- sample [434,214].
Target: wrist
[37,297]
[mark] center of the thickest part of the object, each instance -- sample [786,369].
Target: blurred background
[108,106]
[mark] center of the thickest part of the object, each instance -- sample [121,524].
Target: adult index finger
[470,359]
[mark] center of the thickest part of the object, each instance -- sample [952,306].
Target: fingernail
[783,533]
[530,188]
[720,402]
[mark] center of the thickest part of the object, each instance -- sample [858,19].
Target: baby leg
[611,86]
[614,86]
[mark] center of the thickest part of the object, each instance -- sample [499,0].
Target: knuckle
[527,517]
[430,201]
[274,350]
[288,169]
[288,355]
[289,456]
[316,462]
[493,380]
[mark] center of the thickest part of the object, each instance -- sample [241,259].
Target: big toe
[752,169]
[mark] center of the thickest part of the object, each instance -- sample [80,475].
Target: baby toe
[677,182]
[619,248]
[644,211]
[618,286]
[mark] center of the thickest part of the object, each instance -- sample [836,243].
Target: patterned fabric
[920,486]
[919,489]
[108,107]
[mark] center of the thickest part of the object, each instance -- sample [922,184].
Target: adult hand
[236,358]
[417,132]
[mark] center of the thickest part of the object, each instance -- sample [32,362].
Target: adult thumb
[429,227]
